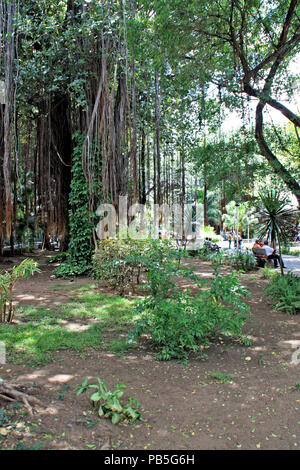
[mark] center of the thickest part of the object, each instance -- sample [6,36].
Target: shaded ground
[257,406]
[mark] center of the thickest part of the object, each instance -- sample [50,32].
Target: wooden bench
[261,256]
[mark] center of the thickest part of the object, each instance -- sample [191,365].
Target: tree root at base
[9,392]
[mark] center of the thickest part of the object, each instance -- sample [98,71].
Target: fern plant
[286,293]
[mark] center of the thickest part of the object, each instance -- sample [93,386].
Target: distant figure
[271,254]
[240,240]
[230,239]
[212,246]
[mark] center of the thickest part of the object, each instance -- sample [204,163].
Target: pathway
[292,264]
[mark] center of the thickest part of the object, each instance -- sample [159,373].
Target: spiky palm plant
[278,219]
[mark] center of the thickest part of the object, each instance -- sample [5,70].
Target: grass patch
[34,342]
[220,377]
[119,346]
[110,311]
[285,292]
[76,326]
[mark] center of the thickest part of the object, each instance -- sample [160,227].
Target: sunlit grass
[77,325]
[34,342]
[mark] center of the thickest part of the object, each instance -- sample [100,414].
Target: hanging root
[9,392]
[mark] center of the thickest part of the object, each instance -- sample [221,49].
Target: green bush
[119,263]
[285,291]
[240,260]
[179,322]
[244,261]
[28,267]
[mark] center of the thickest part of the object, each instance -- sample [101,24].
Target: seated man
[212,246]
[207,242]
[271,254]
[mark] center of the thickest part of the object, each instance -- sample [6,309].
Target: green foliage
[269,273]
[221,377]
[285,291]
[120,263]
[43,331]
[246,216]
[58,258]
[81,227]
[286,250]
[179,322]
[278,219]
[8,279]
[108,402]
[240,260]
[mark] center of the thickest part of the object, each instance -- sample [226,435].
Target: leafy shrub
[240,260]
[108,402]
[285,290]
[120,262]
[179,321]
[244,261]
[286,250]
[8,279]
[269,273]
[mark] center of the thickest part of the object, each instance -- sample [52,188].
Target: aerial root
[9,392]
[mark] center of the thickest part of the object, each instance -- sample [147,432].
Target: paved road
[292,263]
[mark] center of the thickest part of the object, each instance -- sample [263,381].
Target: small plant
[223,378]
[108,402]
[240,260]
[8,279]
[286,292]
[244,261]
[268,273]
[61,395]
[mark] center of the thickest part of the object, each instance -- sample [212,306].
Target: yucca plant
[278,219]
[8,280]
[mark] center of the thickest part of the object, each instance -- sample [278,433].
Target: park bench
[261,256]
[211,246]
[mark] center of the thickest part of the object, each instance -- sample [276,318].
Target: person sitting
[271,254]
[207,242]
[212,246]
[257,244]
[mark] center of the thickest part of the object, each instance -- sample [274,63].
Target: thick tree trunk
[265,150]
[157,139]
[9,58]
[62,148]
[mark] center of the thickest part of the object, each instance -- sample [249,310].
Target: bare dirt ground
[182,406]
